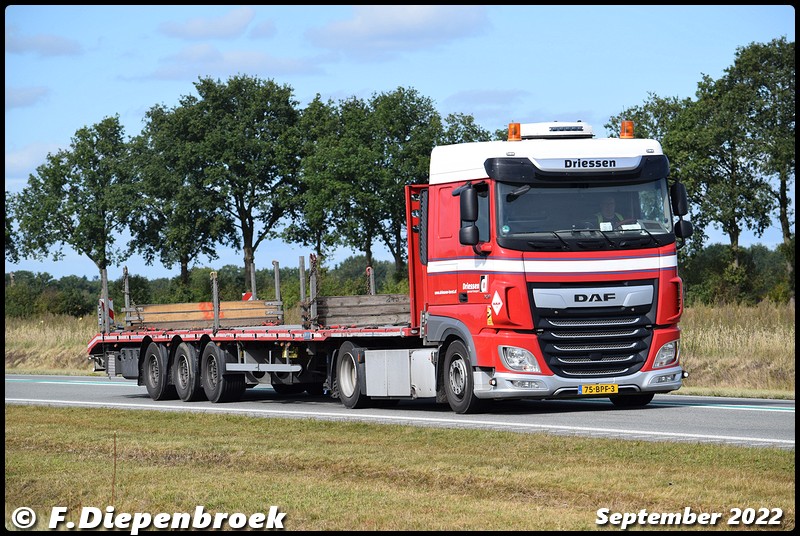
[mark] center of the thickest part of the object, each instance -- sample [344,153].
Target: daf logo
[580,298]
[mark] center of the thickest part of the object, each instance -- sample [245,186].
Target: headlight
[667,355]
[520,359]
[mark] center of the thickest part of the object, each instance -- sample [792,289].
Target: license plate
[598,389]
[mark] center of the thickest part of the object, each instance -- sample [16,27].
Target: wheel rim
[152,370]
[347,375]
[458,376]
[183,372]
[212,372]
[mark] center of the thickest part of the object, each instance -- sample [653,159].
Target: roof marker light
[514,132]
[626,130]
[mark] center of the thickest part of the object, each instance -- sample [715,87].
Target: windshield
[581,217]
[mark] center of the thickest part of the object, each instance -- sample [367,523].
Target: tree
[80,198]
[345,161]
[767,73]
[251,147]
[177,216]
[8,211]
[320,216]
[407,127]
[720,163]
[461,128]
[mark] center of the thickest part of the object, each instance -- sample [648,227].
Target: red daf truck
[540,267]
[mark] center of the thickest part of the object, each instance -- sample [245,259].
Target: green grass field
[350,476]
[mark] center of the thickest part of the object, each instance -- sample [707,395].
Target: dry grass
[49,343]
[350,476]
[748,348]
[732,350]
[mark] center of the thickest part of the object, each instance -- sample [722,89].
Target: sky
[69,67]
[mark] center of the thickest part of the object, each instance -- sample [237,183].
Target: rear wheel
[217,385]
[347,377]
[186,373]
[155,372]
[459,384]
[632,401]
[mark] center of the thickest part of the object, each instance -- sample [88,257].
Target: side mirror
[680,202]
[469,205]
[468,236]
[683,229]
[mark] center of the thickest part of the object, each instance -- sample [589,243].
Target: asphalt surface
[672,417]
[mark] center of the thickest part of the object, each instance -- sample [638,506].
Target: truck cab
[532,284]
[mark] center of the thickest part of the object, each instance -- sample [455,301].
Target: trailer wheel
[458,381]
[156,373]
[347,377]
[218,386]
[186,373]
[632,401]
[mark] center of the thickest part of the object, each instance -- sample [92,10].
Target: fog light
[527,384]
[666,378]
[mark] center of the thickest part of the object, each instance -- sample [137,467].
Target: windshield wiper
[641,228]
[513,195]
[535,244]
[594,230]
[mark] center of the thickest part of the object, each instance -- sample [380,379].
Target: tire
[217,385]
[348,376]
[632,401]
[186,373]
[459,385]
[155,372]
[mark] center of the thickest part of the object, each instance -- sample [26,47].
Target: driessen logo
[580,163]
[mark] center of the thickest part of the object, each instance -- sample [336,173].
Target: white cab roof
[464,161]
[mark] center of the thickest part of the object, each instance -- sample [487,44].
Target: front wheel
[459,385]
[632,401]
[347,377]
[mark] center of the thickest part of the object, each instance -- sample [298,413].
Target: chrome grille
[593,342]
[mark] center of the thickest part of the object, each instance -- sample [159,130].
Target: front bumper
[510,385]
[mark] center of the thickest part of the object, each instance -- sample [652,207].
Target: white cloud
[206,60]
[43,45]
[21,163]
[263,30]
[377,32]
[21,97]
[232,24]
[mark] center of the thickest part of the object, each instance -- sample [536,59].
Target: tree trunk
[185,271]
[106,321]
[249,265]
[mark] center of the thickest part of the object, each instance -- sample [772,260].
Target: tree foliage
[8,212]
[79,197]
[319,216]
[250,147]
[176,217]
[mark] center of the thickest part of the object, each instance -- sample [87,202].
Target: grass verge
[352,476]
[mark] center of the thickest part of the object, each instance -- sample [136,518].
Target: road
[736,421]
